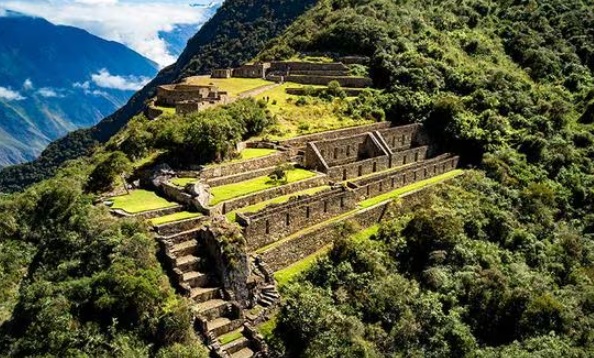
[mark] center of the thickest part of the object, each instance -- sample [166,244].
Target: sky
[135,23]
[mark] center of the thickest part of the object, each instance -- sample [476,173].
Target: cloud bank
[10,95]
[124,83]
[135,23]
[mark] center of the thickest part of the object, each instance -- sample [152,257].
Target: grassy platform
[287,274]
[231,336]
[408,188]
[278,200]
[182,215]
[293,120]
[140,200]
[230,191]
[234,86]
[251,153]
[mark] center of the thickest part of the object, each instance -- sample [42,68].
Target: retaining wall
[408,175]
[344,81]
[402,137]
[223,170]
[271,193]
[347,150]
[277,221]
[350,92]
[338,133]
[360,168]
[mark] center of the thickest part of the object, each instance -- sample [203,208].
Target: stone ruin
[226,268]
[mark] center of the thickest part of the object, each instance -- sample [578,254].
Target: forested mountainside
[235,34]
[56,79]
[500,262]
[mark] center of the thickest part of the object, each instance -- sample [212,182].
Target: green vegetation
[252,153]
[287,274]
[231,336]
[230,191]
[234,86]
[294,118]
[93,285]
[182,215]
[278,200]
[409,188]
[140,200]
[266,328]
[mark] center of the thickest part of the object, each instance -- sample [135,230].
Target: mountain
[235,34]
[56,79]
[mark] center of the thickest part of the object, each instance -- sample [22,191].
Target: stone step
[270,294]
[187,263]
[184,248]
[236,345]
[211,309]
[265,301]
[195,279]
[203,294]
[181,236]
[269,288]
[222,325]
[244,353]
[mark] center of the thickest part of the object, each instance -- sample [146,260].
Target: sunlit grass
[234,86]
[316,116]
[231,336]
[251,153]
[266,328]
[230,191]
[182,215]
[408,188]
[140,200]
[287,274]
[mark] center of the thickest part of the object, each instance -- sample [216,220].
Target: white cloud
[10,95]
[135,23]
[125,83]
[85,85]
[49,93]
[28,85]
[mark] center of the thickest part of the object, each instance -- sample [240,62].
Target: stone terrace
[346,167]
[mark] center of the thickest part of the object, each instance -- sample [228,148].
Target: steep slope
[55,79]
[236,33]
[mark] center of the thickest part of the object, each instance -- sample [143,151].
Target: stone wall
[222,73]
[369,188]
[355,60]
[257,70]
[339,133]
[346,150]
[408,156]
[350,92]
[290,251]
[292,66]
[277,221]
[180,226]
[401,137]
[344,81]
[357,169]
[271,193]
[231,179]
[216,171]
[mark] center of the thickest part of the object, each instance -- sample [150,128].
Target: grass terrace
[287,274]
[409,188]
[278,200]
[251,153]
[182,215]
[230,191]
[231,336]
[295,120]
[234,86]
[140,200]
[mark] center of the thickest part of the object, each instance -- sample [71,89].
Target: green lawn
[366,233]
[140,200]
[287,274]
[266,328]
[278,200]
[230,191]
[183,181]
[231,336]
[251,153]
[166,110]
[234,86]
[405,189]
[182,215]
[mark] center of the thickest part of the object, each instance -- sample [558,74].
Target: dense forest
[235,34]
[499,262]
